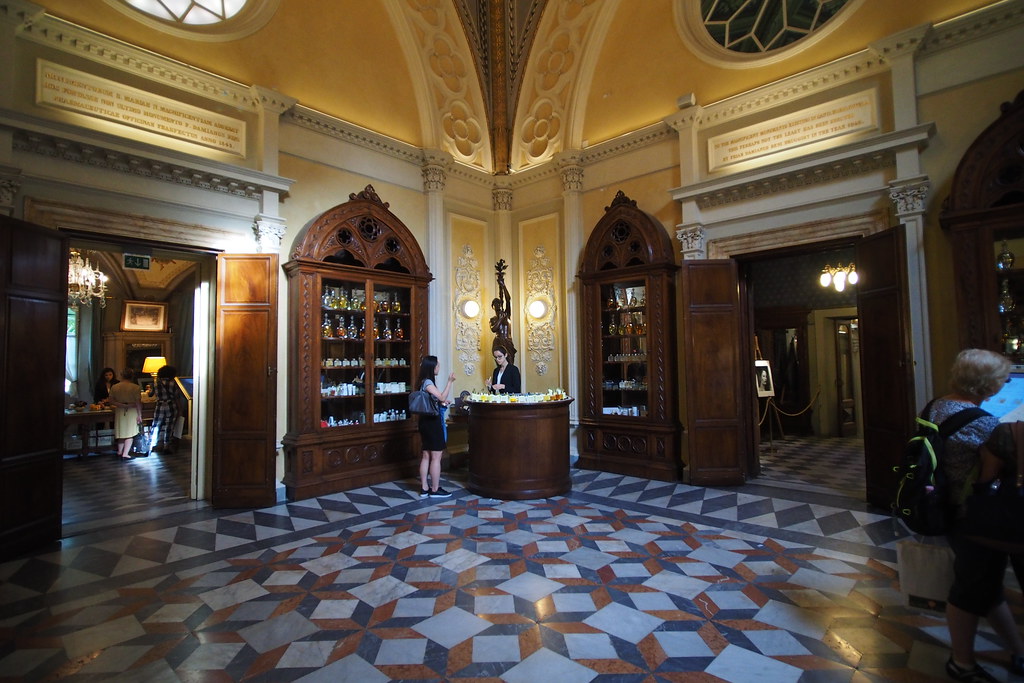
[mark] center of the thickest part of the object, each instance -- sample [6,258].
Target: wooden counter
[519,451]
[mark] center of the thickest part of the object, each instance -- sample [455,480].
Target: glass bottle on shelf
[326,329]
[340,330]
[1006,302]
[387,330]
[362,328]
[351,329]
[376,329]
[342,299]
[399,332]
[396,305]
[1005,259]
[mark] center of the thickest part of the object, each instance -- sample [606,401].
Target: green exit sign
[136,261]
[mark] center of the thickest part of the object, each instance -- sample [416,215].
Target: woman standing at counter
[432,435]
[126,399]
[505,379]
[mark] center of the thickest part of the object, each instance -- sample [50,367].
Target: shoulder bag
[422,403]
[995,510]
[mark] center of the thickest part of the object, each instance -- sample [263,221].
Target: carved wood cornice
[365,230]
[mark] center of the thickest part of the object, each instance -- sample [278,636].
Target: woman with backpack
[978,571]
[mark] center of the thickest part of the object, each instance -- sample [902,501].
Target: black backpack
[921,498]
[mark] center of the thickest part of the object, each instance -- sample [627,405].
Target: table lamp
[152,365]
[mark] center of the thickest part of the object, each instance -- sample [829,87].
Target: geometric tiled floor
[621,579]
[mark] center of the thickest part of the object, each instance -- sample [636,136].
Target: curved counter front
[519,451]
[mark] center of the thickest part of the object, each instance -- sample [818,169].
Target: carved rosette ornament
[467,330]
[269,232]
[694,243]
[909,199]
[540,333]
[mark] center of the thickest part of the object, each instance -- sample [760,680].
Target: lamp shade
[152,364]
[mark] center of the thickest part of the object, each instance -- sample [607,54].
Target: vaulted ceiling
[502,85]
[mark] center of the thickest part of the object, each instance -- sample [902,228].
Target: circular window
[740,33]
[212,20]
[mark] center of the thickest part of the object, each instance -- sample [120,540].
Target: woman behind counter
[126,399]
[101,390]
[505,379]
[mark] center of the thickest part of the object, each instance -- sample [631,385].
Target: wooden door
[718,379]
[33,329]
[245,382]
[887,378]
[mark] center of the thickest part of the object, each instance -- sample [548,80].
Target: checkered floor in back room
[789,578]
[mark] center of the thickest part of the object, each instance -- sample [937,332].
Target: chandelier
[85,282]
[838,276]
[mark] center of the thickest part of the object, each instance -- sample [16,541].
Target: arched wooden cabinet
[357,294]
[629,406]
[984,215]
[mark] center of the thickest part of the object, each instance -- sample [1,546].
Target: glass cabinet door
[343,381]
[624,348]
[366,369]
[394,370]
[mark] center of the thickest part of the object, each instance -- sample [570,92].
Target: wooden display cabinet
[357,288]
[984,209]
[629,407]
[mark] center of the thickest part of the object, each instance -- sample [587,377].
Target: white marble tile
[573,602]
[545,665]
[232,594]
[211,656]
[735,664]
[334,609]
[451,627]
[382,591]
[683,644]
[401,651]
[268,635]
[623,622]
[101,636]
[590,646]
[496,649]
[494,604]
[530,586]
[796,619]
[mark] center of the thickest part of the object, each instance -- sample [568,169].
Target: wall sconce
[469,308]
[838,276]
[538,308]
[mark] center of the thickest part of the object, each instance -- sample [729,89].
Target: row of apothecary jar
[341,299]
[337,329]
[630,323]
[359,362]
[627,357]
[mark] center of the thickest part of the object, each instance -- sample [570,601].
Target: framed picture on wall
[144,316]
[763,379]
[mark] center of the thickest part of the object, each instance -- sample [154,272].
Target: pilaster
[435,175]
[570,166]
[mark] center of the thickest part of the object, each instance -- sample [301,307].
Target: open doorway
[806,332]
[151,297]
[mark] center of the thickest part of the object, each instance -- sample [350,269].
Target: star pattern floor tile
[621,579]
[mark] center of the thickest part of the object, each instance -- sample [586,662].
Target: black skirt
[431,433]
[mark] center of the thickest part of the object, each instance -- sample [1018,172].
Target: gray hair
[978,373]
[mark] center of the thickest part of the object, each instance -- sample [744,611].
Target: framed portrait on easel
[763,379]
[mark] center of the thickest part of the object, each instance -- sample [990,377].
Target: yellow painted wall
[541,368]
[472,366]
[957,126]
